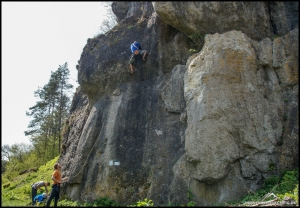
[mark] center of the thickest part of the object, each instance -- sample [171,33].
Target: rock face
[235,128]
[216,17]
[214,124]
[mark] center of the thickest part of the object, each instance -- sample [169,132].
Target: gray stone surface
[216,17]
[215,123]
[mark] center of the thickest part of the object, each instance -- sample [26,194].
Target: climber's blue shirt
[135,46]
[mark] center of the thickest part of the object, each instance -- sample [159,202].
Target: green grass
[17,191]
[284,185]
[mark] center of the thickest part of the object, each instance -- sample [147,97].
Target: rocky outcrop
[256,19]
[236,125]
[216,17]
[214,124]
[104,61]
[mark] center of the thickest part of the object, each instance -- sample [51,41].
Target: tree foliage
[49,113]
[109,21]
[47,117]
[15,157]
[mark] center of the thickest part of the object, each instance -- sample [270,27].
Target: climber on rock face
[137,53]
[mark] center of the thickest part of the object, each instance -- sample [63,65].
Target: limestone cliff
[214,123]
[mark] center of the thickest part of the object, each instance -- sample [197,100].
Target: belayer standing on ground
[37,186]
[57,180]
[137,52]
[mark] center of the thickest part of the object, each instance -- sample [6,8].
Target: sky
[36,38]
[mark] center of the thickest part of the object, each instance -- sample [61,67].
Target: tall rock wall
[214,124]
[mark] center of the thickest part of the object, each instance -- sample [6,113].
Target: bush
[66,203]
[145,203]
[270,182]
[197,42]
[105,202]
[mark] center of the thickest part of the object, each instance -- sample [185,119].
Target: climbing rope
[84,162]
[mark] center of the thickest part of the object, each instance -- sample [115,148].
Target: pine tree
[63,101]
[49,114]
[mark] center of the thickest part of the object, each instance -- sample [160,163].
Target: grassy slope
[18,192]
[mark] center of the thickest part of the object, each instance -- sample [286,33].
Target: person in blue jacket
[137,52]
[40,197]
[36,186]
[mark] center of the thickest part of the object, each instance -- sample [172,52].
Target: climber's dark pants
[133,57]
[54,194]
[33,194]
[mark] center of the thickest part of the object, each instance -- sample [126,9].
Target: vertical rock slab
[286,64]
[229,119]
